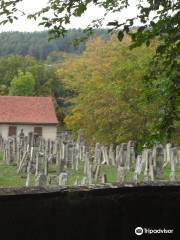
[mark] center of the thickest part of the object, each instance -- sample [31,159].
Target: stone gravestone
[123,152]
[158,160]
[105,156]
[84,181]
[148,163]
[121,162]
[112,155]
[9,156]
[97,173]
[151,165]
[97,153]
[41,180]
[77,156]
[104,179]
[168,152]
[130,155]
[28,179]
[138,168]
[120,174]
[89,174]
[173,163]
[117,155]
[63,179]
[86,163]
[53,180]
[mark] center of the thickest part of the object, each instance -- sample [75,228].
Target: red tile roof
[27,110]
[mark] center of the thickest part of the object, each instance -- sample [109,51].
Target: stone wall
[99,214]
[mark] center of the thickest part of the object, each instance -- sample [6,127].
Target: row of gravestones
[34,154]
[71,152]
[152,162]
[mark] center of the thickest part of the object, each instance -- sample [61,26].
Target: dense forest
[37,44]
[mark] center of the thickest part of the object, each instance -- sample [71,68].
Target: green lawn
[73,175]
[10,178]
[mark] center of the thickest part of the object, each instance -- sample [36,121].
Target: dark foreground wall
[91,214]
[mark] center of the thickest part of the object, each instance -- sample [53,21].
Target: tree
[10,65]
[22,85]
[47,82]
[108,103]
[164,26]
[36,44]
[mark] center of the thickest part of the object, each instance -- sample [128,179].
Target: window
[38,131]
[12,131]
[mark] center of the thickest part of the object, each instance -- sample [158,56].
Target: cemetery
[89,119]
[100,190]
[29,161]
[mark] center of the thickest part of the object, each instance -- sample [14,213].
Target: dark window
[12,131]
[38,131]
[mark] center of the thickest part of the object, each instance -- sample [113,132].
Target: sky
[30,6]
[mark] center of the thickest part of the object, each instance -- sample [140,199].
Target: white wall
[48,132]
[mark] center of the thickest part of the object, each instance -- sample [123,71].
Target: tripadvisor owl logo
[139,231]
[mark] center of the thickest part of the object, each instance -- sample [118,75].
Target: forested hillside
[101,82]
[36,44]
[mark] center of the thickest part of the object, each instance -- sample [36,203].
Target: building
[32,114]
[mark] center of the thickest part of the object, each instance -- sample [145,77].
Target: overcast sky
[93,12]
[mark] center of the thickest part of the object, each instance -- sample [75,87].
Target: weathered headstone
[63,179]
[41,180]
[120,174]
[158,160]
[112,155]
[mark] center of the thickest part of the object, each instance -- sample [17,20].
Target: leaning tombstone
[28,179]
[97,173]
[105,157]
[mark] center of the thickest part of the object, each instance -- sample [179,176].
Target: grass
[10,178]
[78,175]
